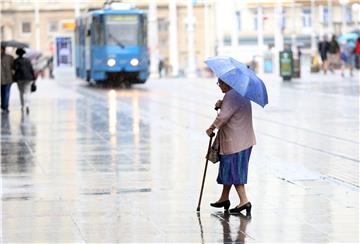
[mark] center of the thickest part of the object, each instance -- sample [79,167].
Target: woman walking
[234,123]
[24,76]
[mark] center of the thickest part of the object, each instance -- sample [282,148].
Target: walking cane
[206,164]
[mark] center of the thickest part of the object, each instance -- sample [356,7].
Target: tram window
[144,30]
[98,30]
[122,29]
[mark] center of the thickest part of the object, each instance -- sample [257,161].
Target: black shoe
[225,204]
[246,206]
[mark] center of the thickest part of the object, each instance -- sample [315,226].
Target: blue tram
[111,46]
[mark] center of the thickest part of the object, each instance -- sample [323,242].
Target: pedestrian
[7,65]
[323,48]
[24,76]
[50,66]
[161,67]
[334,53]
[347,58]
[234,123]
[357,53]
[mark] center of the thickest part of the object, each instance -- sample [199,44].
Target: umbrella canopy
[32,54]
[14,43]
[239,77]
[350,37]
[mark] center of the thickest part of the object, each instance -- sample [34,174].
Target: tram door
[64,51]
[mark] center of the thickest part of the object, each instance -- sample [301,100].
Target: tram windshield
[122,30]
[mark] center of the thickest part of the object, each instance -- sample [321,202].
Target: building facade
[236,28]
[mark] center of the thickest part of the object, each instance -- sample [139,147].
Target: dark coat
[323,48]
[23,70]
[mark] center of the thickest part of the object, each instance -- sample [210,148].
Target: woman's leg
[27,91]
[240,189]
[325,66]
[21,93]
[225,193]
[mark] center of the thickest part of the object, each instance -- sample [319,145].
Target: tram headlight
[111,62]
[134,62]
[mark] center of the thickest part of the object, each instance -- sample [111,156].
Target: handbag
[213,154]
[33,87]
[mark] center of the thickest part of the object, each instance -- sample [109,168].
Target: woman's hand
[210,132]
[218,104]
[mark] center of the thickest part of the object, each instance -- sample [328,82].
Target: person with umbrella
[7,65]
[24,76]
[234,123]
[347,57]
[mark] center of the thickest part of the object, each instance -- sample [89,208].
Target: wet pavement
[91,164]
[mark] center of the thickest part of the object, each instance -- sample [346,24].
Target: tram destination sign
[122,18]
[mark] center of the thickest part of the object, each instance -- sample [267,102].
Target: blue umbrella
[239,77]
[349,37]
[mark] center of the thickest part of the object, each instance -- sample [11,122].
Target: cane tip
[198,209]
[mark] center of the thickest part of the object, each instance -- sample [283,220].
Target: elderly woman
[234,123]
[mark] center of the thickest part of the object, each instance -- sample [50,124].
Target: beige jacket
[235,122]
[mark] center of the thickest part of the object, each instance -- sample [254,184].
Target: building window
[238,19]
[283,19]
[227,40]
[53,26]
[348,15]
[255,22]
[306,17]
[325,15]
[163,25]
[26,27]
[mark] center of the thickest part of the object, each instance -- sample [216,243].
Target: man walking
[7,63]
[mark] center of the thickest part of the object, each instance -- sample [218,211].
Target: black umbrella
[14,43]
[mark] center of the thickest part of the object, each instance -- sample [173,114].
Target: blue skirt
[233,168]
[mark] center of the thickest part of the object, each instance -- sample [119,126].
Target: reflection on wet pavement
[94,165]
